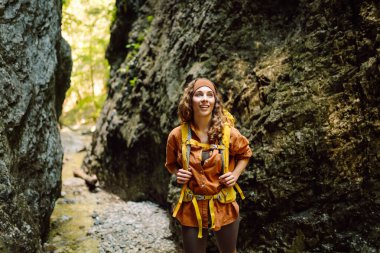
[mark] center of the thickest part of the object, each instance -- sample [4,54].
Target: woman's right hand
[183,176]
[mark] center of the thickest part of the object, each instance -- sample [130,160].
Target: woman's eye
[200,94]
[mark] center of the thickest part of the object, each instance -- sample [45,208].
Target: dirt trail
[101,222]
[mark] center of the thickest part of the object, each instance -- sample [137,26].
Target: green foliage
[113,14]
[149,19]
[133,48]
[86,111]
[85,25]
[65,3]
[132,82]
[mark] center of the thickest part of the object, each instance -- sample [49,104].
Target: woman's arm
[172,149]
[229,179]
[241,152]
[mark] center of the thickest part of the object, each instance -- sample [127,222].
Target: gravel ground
[91,222]
[133,227]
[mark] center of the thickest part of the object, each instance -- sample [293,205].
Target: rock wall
[35,66]
[301,77]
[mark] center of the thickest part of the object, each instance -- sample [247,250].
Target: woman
[201,109]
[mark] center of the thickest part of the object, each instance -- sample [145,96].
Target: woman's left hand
[228,179]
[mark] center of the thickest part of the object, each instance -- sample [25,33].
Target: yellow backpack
[226,195]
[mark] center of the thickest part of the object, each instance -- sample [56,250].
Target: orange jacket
[205,180]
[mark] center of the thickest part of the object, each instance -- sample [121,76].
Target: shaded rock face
[300,77]
[35,64]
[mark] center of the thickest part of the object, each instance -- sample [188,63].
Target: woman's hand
[183,176]
[228,179]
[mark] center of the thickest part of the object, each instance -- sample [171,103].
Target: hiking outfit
[204,202]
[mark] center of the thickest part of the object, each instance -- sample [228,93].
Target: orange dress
[205,180]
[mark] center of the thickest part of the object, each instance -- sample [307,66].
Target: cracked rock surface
[35,65]
[302,79]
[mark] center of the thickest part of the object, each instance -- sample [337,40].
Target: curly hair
[185,113]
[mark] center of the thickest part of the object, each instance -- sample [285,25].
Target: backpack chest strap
[204,145]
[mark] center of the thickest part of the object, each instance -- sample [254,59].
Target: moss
[133,49]
[149,19]
[3,248]
[298,244]
[140,37]
[132,82]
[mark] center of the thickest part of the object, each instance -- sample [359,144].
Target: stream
[85,221]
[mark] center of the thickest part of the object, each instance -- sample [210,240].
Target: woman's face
[203,102]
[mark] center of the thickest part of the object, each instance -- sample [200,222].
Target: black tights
[226,238]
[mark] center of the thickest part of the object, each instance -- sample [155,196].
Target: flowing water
[74,211]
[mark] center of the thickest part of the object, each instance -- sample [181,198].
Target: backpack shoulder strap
[226,144]
[228,117]
[186,137]
[226,155]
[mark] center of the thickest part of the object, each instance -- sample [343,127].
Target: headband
[204,82]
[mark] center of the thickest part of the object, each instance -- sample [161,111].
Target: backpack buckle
[214,146]
[200,197]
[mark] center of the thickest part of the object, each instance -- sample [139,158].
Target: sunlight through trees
[86,25]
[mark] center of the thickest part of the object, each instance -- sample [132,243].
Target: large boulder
[301,78]
[35,65]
